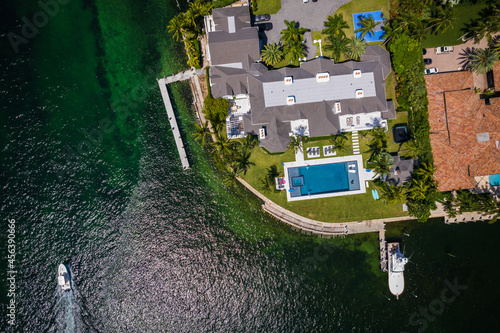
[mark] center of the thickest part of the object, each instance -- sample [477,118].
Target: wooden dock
[173,123]
[383,251]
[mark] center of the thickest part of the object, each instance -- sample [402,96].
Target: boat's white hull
[396,283]
[63,278]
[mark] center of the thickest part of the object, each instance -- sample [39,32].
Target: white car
[432,70]
[305,1]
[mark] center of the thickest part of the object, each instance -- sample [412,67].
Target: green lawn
[390,88]
[464,15]
[286,62]
[326,142]
[401,118]
[337,209]
[267,6]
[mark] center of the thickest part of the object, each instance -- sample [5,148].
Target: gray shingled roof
[231,48]
[267,91]
[404,170]
[241,17]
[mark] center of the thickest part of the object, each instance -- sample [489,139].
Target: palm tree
[249,142]
[202,132]
[490,206]
[190,18]
[442,20]
[426,172]
[381,165]
[339,140]
[413,149]
[378,135]
[272,172]
[272,54]
[483,60]
[355,48]
[338,46]
[292,33]
[296,50]
[222,144]
[206,8]
[244,162]
[176,27]
[264,185]
[467,201]
[341,136]
[496,47]
[391,193]
[449,204]
[418,189]
[229,178]
[296,143]
[335,25]
[367,26]
[390,32]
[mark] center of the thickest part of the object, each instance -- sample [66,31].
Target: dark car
[262,18]
[264,26]
[427,61]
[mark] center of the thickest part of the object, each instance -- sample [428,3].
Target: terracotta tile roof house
[319,98]
[465,133]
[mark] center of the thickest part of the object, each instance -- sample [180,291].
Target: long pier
[173,123]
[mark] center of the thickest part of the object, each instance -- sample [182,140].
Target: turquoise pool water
[323,178]
[495,180]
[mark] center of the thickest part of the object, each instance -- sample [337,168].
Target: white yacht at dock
[396,266]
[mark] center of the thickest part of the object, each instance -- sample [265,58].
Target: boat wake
[67,308]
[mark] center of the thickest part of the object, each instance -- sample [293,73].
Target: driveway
[309,15]
[457,60]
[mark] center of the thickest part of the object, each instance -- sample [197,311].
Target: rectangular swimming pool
[323,178]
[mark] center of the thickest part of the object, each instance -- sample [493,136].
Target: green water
[91,176]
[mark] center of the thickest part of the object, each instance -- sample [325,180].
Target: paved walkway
[299,154]
[173,123]
[355,142]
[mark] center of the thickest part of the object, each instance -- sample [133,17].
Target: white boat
[63,278]
[396,267]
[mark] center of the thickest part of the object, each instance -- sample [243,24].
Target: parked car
[262,18]
[432,70]
[427,61]
[305,1]
[444,49]
[264,26]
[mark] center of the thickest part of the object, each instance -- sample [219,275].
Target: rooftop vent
[337,108]
[356,73]
[290,100]
[262,133]
[483,137]
[359,93]
[288,80]
[322,77]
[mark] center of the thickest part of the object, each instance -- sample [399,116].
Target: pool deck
[362,173]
